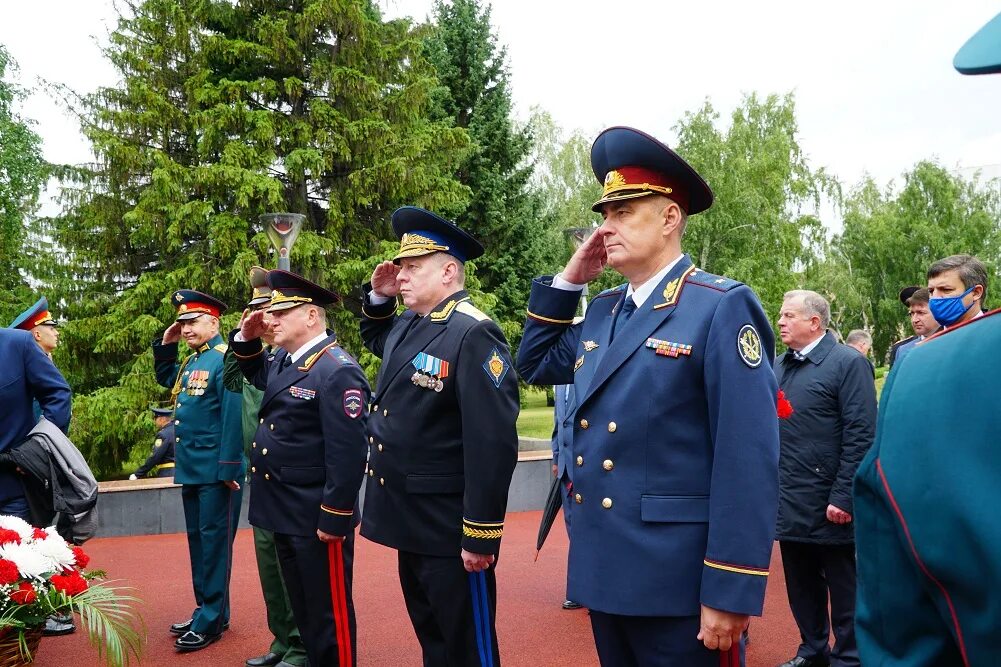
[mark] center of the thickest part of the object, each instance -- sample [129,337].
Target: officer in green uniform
[928,532]
[209,459]
[286,647]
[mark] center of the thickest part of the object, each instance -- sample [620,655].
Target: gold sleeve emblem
[749,346]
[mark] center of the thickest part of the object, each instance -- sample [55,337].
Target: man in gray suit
[562,433]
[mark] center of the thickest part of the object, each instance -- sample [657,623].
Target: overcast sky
[874,82]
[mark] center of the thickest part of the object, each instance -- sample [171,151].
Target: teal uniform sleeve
[165,363]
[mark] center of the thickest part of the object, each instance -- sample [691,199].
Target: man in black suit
[832,424]
[442,438]
[307,459]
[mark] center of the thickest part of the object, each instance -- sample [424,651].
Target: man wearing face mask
[957,287]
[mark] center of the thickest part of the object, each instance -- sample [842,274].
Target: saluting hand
[476,562]
[253,325]
[384,279]
[719,630]
[172,334]
[588,262]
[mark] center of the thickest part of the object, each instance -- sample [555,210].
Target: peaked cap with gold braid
[289,290]
[422,233]
[259,283]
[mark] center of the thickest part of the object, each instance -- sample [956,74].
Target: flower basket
[42,575]
[11,651]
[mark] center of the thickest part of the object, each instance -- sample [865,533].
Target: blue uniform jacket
[307,457]
[208,446]
[27,374]
[162,456]
[927,526]
[563,408]
[674,442]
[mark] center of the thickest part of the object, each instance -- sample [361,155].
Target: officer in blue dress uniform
[928,533]
[307,459]
[443,442]
[674,441]
[161,461]
[209,459]
[38,321]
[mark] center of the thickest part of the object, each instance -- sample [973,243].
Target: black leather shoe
[269,659]
[193,641]
[800,661]
[570,604]
[181,628]
[54,627]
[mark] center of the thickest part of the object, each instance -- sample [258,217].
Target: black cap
[422,233]
[162,412]
[289,290]
[907,293]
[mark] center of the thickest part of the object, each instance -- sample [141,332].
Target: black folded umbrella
[554,501]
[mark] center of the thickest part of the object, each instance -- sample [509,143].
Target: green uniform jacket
[928,529]
[207,430]
[234,381]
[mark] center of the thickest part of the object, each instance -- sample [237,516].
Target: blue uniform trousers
[211,514]
[452,611]
[318,578]
[656,641]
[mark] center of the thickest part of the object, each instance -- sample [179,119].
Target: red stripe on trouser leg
[338,598]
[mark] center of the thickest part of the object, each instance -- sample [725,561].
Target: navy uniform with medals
[442,449]
[674,439]
[307,461]
[208,452]
[161,461]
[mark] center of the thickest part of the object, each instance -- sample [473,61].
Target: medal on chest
[430,373]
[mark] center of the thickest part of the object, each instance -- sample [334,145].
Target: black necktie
[628,308]
[798,356]
[286,362]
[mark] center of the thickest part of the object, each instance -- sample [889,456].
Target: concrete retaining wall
[153,506]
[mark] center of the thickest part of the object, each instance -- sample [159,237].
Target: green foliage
[502,211]
[22,174]
[891,237]
[226,112]
[760,227]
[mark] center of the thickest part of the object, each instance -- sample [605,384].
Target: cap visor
[618,196]
[188,316]
[259,301]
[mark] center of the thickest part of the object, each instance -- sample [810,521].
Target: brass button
[608,464]
[583,423]
[267,476]
[177,439]
[375,408]
[264,452]
[371,473]
[253,469]
[262,420]
[176,422]
[580,460]
[371,440]
[379,447]
[382,482]
[385,413]
[612,427]
[271,426]
[186,372]
[578,498]
[254,444]
[606,503]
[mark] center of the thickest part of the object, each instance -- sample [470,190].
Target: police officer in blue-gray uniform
[209,459]
[307,459]
[161,460]
[443,441]
[674,433]
[28,376]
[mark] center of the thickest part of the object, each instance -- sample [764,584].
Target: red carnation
[80,557]
[25,594]
[39,534]
[70,584]
[784,407]
[8,535]
[8,572]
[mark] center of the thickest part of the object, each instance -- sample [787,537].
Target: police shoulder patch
[496,367]
[354,403]
[749,346]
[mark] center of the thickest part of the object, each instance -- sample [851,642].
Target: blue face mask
[948,310]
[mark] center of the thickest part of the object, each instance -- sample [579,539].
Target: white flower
[56,550]
[17,524]
[29,561]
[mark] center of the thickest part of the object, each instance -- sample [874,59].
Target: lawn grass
[536,419]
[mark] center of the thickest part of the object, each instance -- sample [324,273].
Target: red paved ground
[533,630]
